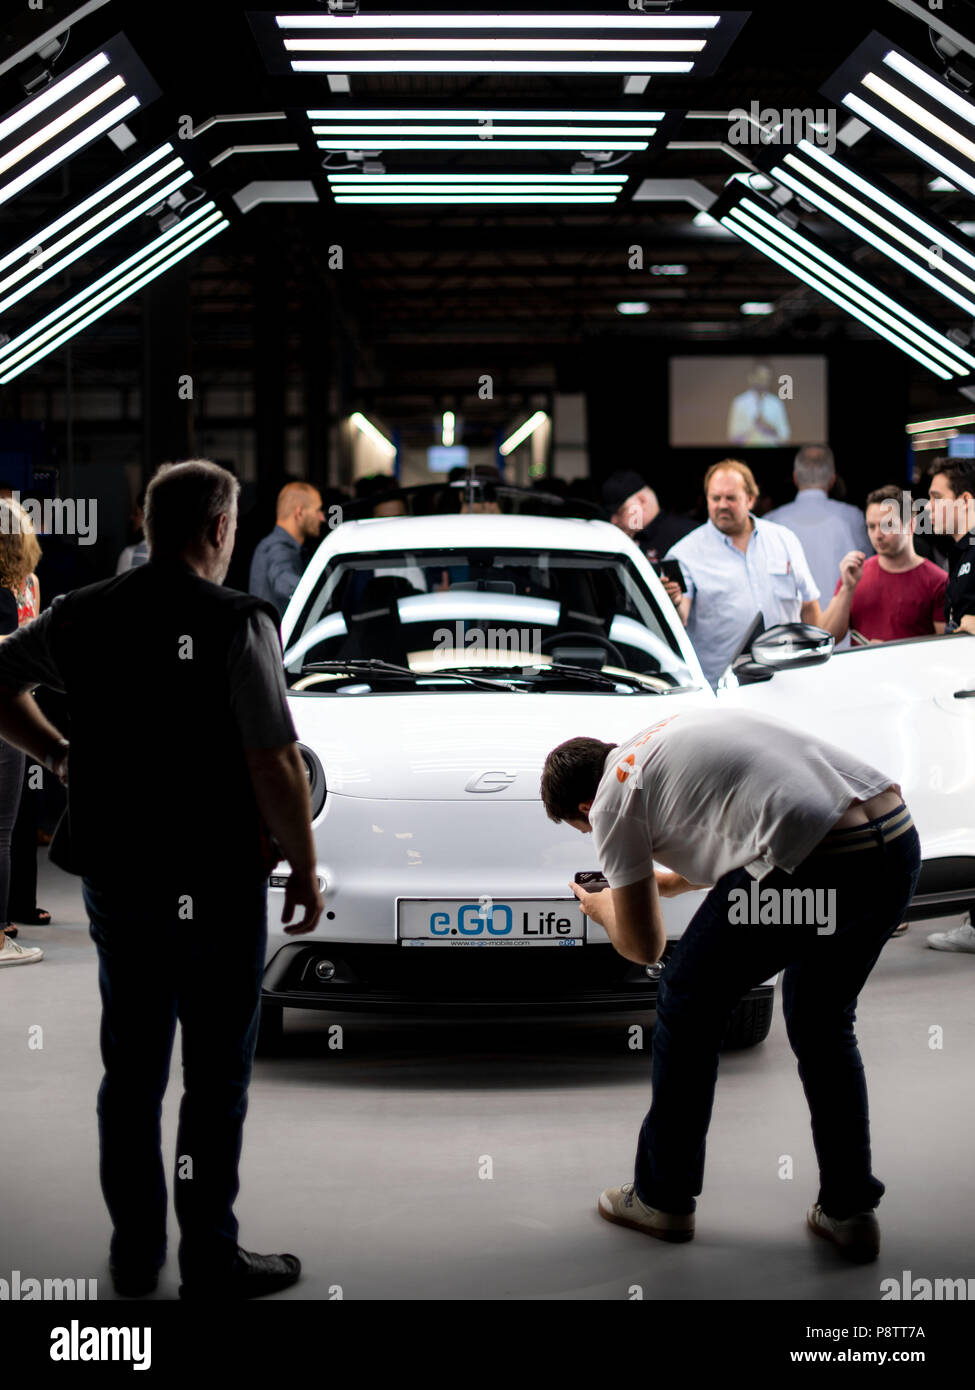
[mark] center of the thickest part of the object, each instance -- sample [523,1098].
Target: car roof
[477,529]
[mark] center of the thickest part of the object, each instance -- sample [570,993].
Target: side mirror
[790,645]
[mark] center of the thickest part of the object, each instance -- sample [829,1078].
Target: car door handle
[965,694]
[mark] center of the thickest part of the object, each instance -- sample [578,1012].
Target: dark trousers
[11,784]
[23,849]
[716,962]
[153,969]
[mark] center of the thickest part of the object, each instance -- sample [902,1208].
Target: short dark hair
[959,472]
[183,500]
[890,493]
[571,775]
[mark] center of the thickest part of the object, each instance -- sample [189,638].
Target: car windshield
[535,619]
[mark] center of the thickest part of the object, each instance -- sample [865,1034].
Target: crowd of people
[216,850]
[893,571]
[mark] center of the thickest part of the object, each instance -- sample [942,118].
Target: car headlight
[315,773]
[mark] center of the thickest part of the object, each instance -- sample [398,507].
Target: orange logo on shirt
[622,772]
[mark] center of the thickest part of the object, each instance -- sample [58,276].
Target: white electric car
[433,662]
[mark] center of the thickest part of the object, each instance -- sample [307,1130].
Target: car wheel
[750,1023]
[270,1032]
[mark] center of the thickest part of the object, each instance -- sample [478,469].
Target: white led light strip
[43,237]
[926,119]
[356,65]
[640,47]
[79,304]
[742,226]
[478,115]
[890,128]
[932,86]
[206,233]
[84,137]
[574,145]
[879,303]
[472,128]
[585,180]
[911,219]
[863,229]
[512,198]
[496,21]
[837,286]
[155,194]
[53,94]
[40,137]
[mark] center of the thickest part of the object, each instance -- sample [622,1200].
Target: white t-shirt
[707,791]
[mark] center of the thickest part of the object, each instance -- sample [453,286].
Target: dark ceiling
[427,299]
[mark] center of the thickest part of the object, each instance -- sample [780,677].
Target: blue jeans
[716,962]
[153,969]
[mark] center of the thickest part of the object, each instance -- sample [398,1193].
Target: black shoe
[251,1276]
[133,1282]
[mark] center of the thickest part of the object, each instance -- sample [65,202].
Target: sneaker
[856,1237]
[960,938]
[622,1206]
[12,953]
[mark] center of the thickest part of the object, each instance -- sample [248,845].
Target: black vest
[158,787]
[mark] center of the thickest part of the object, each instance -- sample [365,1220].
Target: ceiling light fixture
[448,428]
[89,100]
[628,44]
[797,251]
[109,290]
[523,432]
[909,104]
[879,213]
[367,428]
[54,247]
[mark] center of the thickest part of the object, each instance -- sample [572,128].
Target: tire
[750,1023]
[270,1032]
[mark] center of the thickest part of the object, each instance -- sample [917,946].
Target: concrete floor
[365,1161]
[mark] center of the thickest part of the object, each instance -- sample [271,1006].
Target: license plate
[489,922]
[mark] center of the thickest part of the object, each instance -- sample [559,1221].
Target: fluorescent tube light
[523,432]
[367,428]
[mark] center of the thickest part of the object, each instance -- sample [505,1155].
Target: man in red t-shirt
[895,593]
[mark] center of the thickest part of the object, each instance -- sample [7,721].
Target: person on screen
[758,416]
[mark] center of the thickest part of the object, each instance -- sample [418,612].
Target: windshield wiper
[584,673]
[373,666]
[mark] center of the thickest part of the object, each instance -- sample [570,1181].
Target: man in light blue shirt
[736,566]
[827,529]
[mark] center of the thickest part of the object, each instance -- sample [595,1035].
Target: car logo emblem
[490,782]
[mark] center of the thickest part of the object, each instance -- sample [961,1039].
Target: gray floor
[365,1161]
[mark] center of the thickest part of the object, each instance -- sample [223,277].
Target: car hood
[462,746]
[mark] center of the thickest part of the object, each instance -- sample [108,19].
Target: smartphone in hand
[590,879]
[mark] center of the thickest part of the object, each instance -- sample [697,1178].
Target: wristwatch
[57,752]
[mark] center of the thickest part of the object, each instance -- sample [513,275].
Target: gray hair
[814,466]
[183,500]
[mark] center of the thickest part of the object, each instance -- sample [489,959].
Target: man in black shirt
[633,507]
[952,508]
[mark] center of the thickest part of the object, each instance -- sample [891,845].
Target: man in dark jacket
[632,506]
[177,704]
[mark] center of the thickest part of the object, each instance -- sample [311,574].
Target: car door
[906,707]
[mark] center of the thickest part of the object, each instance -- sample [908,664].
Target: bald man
[277,565]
